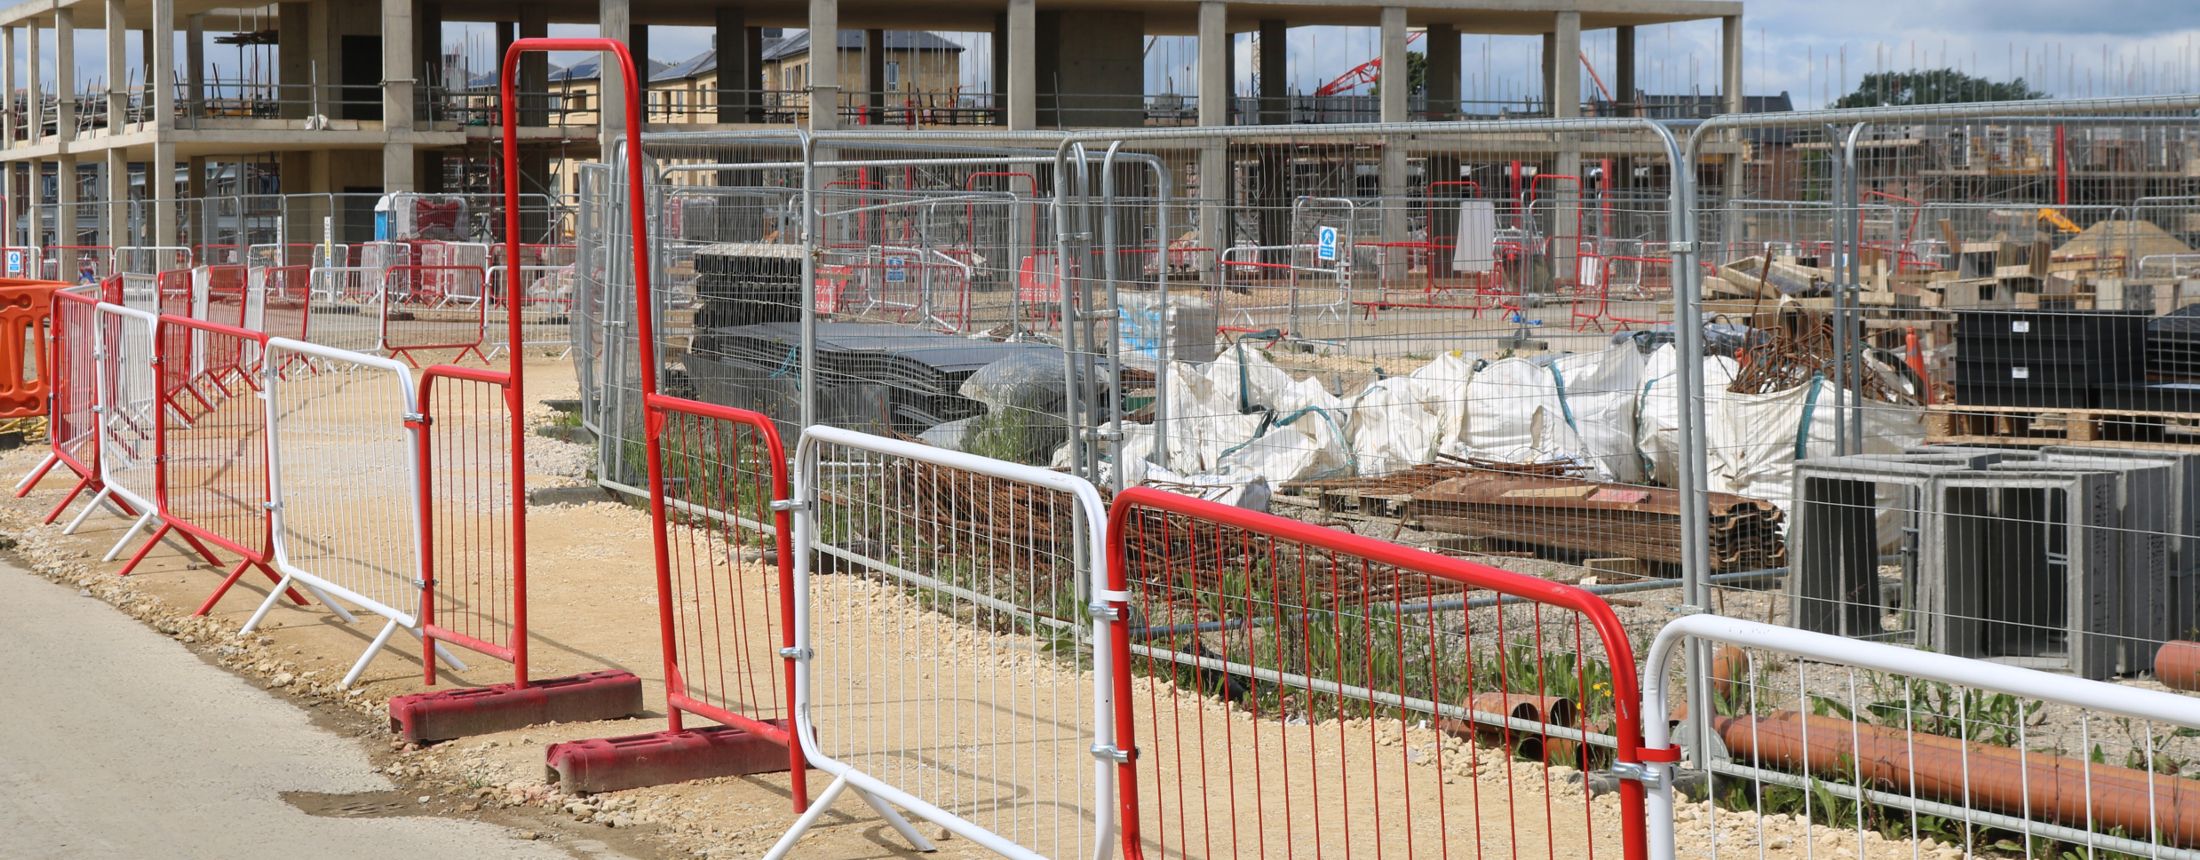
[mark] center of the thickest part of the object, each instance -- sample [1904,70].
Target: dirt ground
[594,606]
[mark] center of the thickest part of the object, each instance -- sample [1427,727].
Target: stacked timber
[1569,517]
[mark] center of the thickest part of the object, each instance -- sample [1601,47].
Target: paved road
[117,742]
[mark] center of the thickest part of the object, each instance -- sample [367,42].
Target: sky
[1815,51]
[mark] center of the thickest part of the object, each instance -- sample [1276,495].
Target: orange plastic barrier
[26,337]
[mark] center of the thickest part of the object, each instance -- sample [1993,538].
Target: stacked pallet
[1569,517]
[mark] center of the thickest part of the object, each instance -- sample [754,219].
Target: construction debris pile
[1574,517]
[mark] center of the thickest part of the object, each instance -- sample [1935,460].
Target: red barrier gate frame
[480,321]
[196,536]
[516,652]
[1626,698]
[87,474]
[645,330]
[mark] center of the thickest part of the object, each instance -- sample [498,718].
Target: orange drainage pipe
[2041,786]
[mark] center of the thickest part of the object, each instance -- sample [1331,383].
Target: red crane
[1371,72]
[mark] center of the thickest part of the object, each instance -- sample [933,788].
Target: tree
[1416,75]
[1933,87]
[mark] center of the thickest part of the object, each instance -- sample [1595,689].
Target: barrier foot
[448,658]
[367,656]
[74,491]
[23,487]
[825,801]
[135,527]
[89,507]
[145,550]
[231,579]
[660,758]
[425,718]
[281,585]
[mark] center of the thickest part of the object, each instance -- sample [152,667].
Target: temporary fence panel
[73,422]
[151,259]
[416,317]
[343,467]
[1816,742]
[473,489]
[449,282]
[129,400]
[79,264]
[948,656]
[1283,689]
[210,477]
[725,585]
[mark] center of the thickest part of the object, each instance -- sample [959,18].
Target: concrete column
[34,215]
[1396,86]
[1442,44]
[1566,66]
[10,203]
[1023,65]
[1730,61]
[1214,110]
[824,64]
[10,119]
[197,230]
[1566,87]
[64,74]
[1214,63]
[737,67]
[160,172]
[1550,72]
[115,224]
[1623,82]
[295,73]
[999,45]
[118,72]
[34,87]
[534,68]
[65,222]
[1396,101]
[194,65]
[397,96]
[874,74]
[614,20]
[1275,72]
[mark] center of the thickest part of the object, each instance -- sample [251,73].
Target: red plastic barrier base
[662,758]
[425,718]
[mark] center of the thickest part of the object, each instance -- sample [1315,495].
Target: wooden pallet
[1957,424]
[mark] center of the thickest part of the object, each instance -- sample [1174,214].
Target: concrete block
[425,718]
[661,758]
[2141,542]
[2184,528]
[1835,535]
[2022,567]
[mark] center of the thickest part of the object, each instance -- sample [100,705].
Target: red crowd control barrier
[72,424]
[210,481]
[720,548]
[415,317]
[473,492]
[473,489]
[1283,689]
[287,301]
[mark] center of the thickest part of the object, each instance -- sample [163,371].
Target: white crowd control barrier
[990,736]
[1865,746]
[344,448]
[123,348]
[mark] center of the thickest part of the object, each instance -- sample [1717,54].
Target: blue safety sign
[1325,244]
[895,274]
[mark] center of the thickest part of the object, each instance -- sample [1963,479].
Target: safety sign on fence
[1325,244]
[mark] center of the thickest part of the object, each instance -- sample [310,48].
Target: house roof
[588,70]
[798,45]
